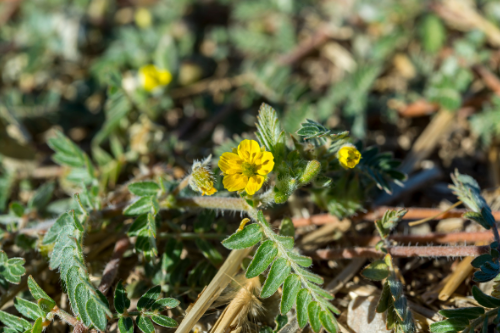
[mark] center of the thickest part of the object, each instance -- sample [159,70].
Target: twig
[346,275]
[402,252]
[111,269]
[414,213]
[457,277]
[456,204]
[436,238]
[305,47]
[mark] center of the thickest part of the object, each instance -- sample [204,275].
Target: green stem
[231,204]
[478,321]
[66,317]
[284,253]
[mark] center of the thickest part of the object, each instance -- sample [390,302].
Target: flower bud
[152,77]
[310,171]
[202,178]
[348,156]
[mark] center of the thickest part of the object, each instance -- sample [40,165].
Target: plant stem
[402,252]
[66,317]
[478,321]
[190,235]
[412,224]
[231,204]
[182,185]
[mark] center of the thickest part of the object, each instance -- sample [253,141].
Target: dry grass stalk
[244,302]
[214,289]
[457,277]
[427,141]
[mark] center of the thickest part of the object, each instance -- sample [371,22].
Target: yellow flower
[246,170]
[349,156]
[143,18]
[202,179]
[153,77]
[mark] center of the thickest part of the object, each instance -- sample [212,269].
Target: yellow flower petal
[236,182]
[208,191]
[254,184]
[265,163]
[153,77]
[349,156]
[230,163]
[248,150]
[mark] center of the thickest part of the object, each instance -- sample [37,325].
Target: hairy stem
[66,317]
[231,204]
[402,252]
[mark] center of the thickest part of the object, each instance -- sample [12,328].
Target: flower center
[248,169]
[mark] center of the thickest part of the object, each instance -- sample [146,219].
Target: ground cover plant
[249,166]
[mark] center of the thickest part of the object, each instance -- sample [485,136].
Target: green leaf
[478,218]
[300,260]
[13,322]
[152,224]
[139,207]
[38,292]
[291,288]
[138,225]
[149,298]
[16,208]
[42,196]
[249,236]
[164,321]
[126,325]
[319,291]
[45,305]
[28,309]
[313,310]
[286,242]
[376,271]
[328,321]
[269,132]
[37,326]
[262,259]
[303,299]
[449,325]
[287,228]
[67,153]
[483,299]
[61,223]
[165,303]
[121,301]
[466,313]
[96,315]
[312,129]
[432,33]
[277,275]
[385,300]
[144,189]
[309,276]
[82,297]
[145,324]
[481,260]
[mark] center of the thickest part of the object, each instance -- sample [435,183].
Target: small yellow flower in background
[143,18]
[349,156]
[246,169]
[202,179]
[152,77]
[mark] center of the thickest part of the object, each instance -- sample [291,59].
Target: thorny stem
[402,252]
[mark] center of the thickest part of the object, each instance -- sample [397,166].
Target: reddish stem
[402,252]
[436,238]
